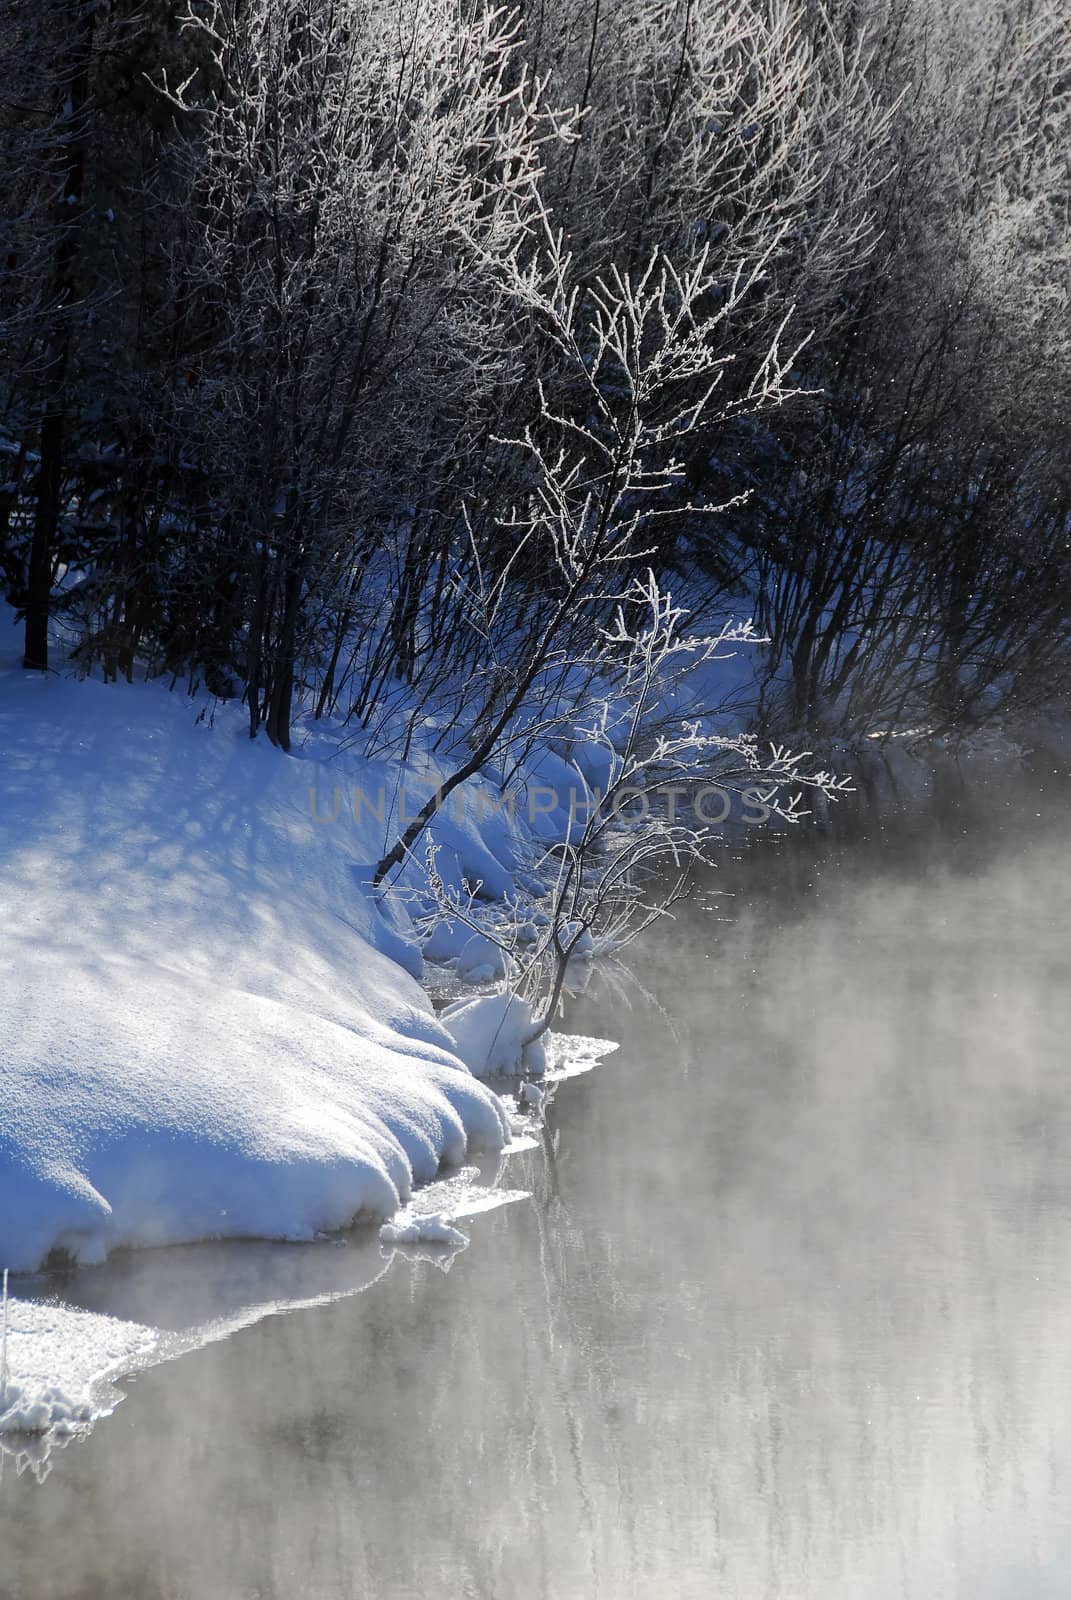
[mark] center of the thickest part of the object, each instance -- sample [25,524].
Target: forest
[364,353]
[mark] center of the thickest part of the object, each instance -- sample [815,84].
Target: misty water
[787,1312]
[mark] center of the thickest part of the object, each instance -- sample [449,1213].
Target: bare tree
[356,167]
[629,851]
[645,350]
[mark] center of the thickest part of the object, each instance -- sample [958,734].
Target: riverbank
[214,1026]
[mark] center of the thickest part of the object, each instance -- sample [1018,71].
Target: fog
[787,1314]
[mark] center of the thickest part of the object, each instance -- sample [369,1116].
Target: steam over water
[788,1315]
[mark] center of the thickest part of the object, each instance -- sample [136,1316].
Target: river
[786,1312]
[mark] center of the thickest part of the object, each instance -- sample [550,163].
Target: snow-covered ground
[58,1361]
[211,1026]
[206,1031]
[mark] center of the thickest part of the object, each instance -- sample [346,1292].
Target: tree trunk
[277,722]
[45,526]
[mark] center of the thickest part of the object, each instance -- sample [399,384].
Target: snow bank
[207,1031]
[175,1109]
[480,960]
[423,1228]
[212,1026]
[490,1033]
[59,1361]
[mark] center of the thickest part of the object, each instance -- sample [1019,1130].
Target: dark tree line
[365,351]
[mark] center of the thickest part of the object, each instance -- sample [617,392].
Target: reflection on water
[788,1313]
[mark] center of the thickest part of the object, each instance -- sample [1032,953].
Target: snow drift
[207,1025]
